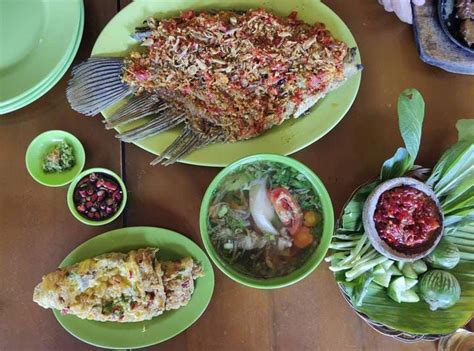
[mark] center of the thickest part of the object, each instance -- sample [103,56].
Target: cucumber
[387,264]
[383,273]
[379,269]
[410,283]
[383,279]
[420,267]
[408,271]
[401,290]
[410,296]
[395,271]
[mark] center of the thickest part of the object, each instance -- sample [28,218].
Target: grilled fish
[228,76]
[119,287]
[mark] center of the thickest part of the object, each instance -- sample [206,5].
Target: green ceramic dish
[291,136]
[41,52]
[41,145]
[72,206]
[141,334]
[315,258]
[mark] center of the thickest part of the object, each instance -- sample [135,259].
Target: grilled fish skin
[114,287]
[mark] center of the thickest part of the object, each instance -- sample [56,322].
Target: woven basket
[421,174]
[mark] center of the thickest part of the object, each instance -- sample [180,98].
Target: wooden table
[37,230]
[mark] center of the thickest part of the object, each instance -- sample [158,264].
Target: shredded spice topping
[241,72]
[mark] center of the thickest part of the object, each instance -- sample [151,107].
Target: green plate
[292,135]
[316,257]
[41,145]
[141,334]
[41,51]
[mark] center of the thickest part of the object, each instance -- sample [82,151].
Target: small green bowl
[41,145]
[72,206]
[316,257]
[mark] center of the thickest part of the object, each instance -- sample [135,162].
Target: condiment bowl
[41,145]
[72,206]
[369,224]
[312,261]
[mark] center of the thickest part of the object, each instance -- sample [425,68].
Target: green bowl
[72,206]
[41,145]
[312,262]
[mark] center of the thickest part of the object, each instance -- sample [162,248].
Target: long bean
[342,245]
[355,251]
[362,268]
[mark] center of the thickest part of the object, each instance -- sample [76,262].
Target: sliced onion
[261,208]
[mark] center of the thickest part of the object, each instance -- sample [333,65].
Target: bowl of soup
[266,221]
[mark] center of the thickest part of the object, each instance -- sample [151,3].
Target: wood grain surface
[37,230]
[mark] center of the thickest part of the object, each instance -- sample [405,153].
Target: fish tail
[96,84]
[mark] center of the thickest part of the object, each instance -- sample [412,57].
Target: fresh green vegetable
[452,178]
[444,256]
[453,181]
[382,274]
[361,288]
[400,290]
[59,159]
[408,271]
[419,267]
[440,289]
[411,110]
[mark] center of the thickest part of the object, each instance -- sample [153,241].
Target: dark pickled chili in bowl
[407,219]
[97,196]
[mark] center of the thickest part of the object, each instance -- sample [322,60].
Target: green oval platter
[291,136]
[141,334]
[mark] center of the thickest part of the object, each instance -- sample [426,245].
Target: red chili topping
[406,218]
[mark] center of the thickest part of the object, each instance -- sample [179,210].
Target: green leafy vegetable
[411,111]
[396,166]
[453,181]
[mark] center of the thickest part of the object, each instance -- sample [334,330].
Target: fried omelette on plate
[119,287]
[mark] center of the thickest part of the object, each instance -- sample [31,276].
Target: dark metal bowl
[450,23]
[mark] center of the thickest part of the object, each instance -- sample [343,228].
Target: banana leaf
[417,318]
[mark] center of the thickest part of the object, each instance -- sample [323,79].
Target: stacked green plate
[39,39]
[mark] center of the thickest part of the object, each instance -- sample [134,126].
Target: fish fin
[164,121]
[96,84]
[137,107]
[186,143]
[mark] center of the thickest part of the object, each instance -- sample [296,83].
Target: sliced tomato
[287,209]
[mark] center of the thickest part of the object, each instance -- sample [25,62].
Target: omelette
[119,287]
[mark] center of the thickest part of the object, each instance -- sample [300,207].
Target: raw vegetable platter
[372,283]
[292,135]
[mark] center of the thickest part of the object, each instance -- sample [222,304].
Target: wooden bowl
[369,224]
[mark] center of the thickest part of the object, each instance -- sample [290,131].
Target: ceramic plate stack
[38,39]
